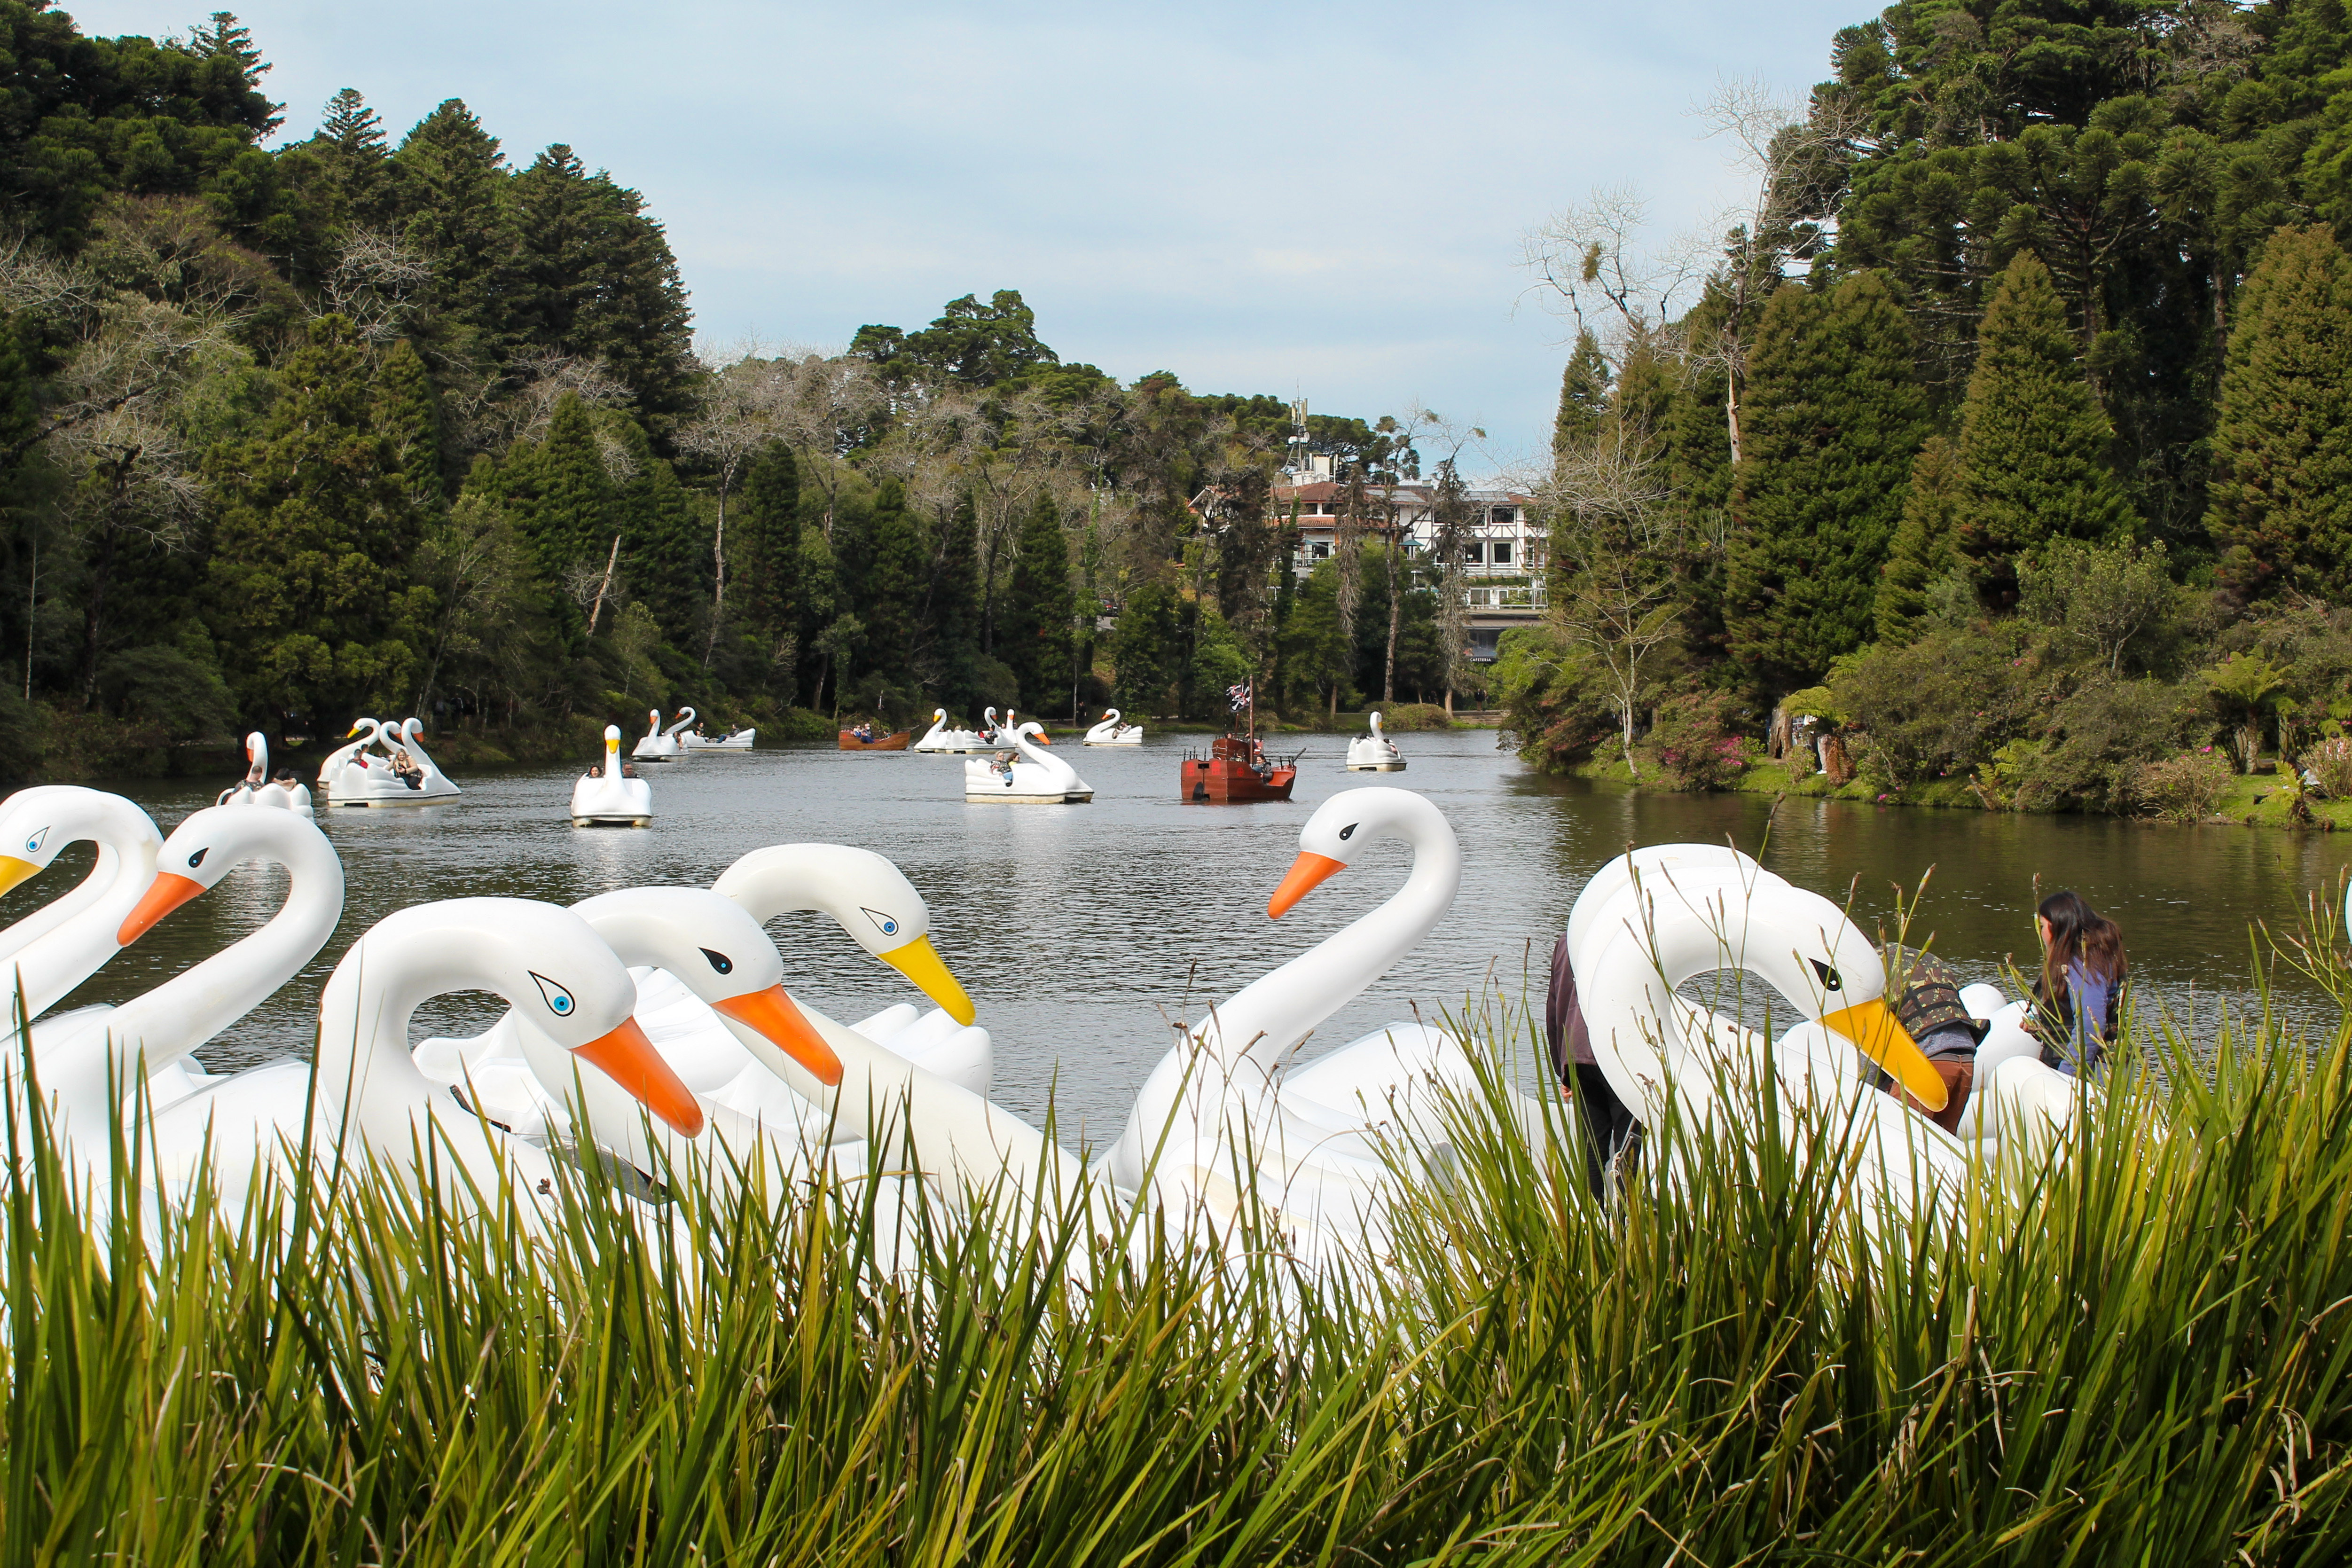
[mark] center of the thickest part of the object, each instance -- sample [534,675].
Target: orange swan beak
[784,1026]
[167,892]
[1307,873]
[629,1059]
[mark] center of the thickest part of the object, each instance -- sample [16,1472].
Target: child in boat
[2078,996]
[1926,992]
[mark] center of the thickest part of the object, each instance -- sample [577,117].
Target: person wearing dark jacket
[1611,1133]
[1927,993]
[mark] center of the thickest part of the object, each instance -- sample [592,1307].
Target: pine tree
[950,616]
[2281,491]
[452,180]
[766,566]
[311,602]
[665,548]
[1033,629]
[562,493]
[1834,418]
[356,165]
[883,573]
[1583,394]
[2033,446]
[409,414]
[1923,547]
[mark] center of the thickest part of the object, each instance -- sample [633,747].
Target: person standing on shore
[2078,997]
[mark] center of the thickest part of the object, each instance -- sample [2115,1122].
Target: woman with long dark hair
[2078,997]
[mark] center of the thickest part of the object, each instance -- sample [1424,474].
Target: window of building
[1320,550]
[1504,516]
[1474,553]
[1502,555]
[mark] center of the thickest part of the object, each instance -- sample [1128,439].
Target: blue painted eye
[197,859]
[887,924]
[33,845]
[719,962]
[559,1000]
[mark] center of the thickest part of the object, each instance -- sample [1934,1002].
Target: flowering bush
[2330,763]
[1692,742]
[2188,788]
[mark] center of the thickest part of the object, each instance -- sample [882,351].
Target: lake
[1082,930]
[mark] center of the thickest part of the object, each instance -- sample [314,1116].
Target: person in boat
[2078,996]
[1611,1137]
[404,769]
[1927,993]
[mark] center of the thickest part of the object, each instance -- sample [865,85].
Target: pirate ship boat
[1236,770]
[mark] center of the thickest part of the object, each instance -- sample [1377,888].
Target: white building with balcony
[1503,552]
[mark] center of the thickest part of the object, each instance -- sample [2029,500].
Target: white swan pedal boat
[1375,752]
[1031,776]
[610,798]
[1113,732]
[660,745]
[941,739]
[351,776]
[258,789]
[733,740]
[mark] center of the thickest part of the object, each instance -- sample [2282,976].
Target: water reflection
[1082,930]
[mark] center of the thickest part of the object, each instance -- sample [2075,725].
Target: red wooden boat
[850,742]
[1236,770]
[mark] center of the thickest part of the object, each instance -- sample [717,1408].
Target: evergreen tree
[767,552]
[1923,549]
[1033,629]
[410,415]
[310,603]
[949,641]
[562,493]
[2034,445]
[354,162]
[452,181]
[2281,491]
[1583,394]
[665,548]
[882,578]
[1833,417]
[1148,650]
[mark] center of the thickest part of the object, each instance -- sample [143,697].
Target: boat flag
[1239,695]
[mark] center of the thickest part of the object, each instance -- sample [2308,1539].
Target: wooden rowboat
[897,742]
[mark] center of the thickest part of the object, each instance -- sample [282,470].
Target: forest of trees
[2005,431]
[295,430]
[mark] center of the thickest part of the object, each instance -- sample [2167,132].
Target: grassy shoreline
[2257,800]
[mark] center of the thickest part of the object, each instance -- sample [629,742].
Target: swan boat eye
[197,859]
[719,962]
[1347,832]
[889,923]
[559,1000]
[33,845]
[1830,981]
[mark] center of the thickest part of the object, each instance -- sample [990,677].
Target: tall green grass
[2142,1361]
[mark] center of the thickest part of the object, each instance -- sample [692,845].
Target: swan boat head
[720,954]
[1350,820]
[866,896]
[257,759]
[1668,925]
[38,823]
[213,842]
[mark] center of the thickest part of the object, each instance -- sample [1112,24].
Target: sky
[1312,200]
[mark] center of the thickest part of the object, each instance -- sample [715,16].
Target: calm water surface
[1081,930]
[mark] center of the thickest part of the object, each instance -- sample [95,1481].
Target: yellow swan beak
[14,871]
[1874,1027]
[919,961]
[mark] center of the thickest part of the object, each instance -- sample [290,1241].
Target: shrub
[2186,788]
[1694,743]
[1940,705]
[2096,744]
[2330,763]
[1410,716]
